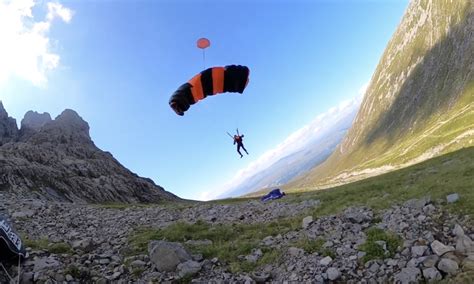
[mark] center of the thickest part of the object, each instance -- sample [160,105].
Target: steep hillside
[57,160]
[420,101]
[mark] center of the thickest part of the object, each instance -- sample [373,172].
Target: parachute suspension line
[19,268]
[4,269]
[203,43]
[204,58]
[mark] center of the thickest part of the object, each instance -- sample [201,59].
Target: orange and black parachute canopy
[216,80]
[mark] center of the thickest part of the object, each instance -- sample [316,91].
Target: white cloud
[297,140]
[25,49]
[57,10]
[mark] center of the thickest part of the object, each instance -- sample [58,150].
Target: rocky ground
[86,243]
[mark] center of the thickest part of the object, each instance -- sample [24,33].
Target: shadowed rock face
[35,120]
[56,159]
[8,128]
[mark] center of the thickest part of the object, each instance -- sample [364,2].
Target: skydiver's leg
[245,149]
[238,150]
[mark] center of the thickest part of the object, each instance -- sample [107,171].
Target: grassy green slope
[420,102]
[436,177]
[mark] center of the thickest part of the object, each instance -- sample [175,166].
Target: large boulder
[166,256]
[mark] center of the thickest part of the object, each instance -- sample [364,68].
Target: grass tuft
[376,251]
[312,246]
[59,248]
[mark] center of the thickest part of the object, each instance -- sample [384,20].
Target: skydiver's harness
[238,140]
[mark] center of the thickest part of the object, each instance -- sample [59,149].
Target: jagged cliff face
[8,128]
[420,102]
[56,159]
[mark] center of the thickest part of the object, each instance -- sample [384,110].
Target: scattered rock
[294,251]
[268,241]
[138,263]
[358,215]
[260,277]
[85,245]
[115,276]
[307,221]
[45,263]
[417,251]
[452,198]
[254,256]
[439,248]
[188,268]
[333,273]
[325,261]
[417,203]
[458,231]
[432,274]
[431,261]
[464,244]
[448,266]
[23,214]
[408,275]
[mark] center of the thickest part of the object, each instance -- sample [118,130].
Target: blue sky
[117,63]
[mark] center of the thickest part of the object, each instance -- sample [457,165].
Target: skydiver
[238,139]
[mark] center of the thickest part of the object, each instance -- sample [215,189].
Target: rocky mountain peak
[3,112]
[70,117]
[57,160]
[69,120]
[68,127]
[35,120]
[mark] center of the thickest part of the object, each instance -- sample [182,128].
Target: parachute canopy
[203,43]
[274,194]
[216,80]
